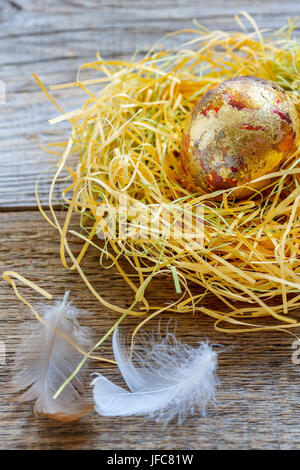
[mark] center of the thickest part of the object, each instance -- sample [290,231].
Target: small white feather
[168,380]
[47,359]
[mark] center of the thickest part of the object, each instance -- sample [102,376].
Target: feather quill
[47,359]
[168,380]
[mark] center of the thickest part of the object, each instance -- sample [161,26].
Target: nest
[126,140]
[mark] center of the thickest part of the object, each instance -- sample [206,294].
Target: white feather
[170,380]
[47,360]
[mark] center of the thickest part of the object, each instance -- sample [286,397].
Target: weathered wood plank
[258,402]
[258,399]
[53,38]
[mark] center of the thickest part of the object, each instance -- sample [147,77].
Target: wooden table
[259,396]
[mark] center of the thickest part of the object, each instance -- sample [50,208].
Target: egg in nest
[240,130]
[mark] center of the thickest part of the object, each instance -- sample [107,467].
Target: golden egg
[238,131]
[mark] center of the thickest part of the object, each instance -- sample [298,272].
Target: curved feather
[168,380]
[47,359]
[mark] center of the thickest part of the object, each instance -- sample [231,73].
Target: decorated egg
[240,130]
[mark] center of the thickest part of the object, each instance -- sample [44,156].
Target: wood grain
[53,38]
[257,405]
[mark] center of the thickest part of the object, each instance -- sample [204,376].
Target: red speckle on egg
[249,127]
[210,108]
[283,116]
[235,103]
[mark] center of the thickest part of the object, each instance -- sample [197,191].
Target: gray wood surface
[259,396]
[258,400]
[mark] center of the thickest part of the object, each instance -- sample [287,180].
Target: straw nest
[126,139]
